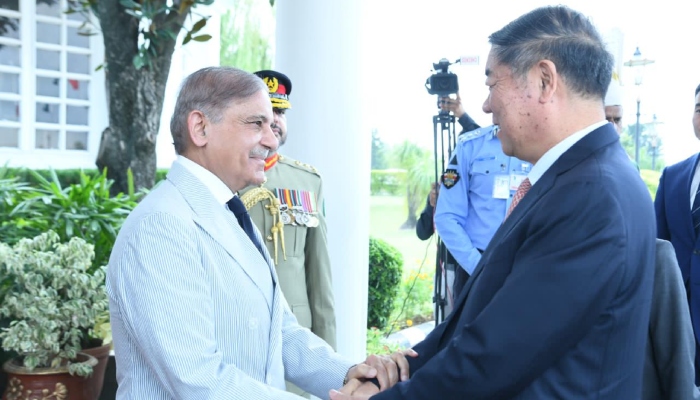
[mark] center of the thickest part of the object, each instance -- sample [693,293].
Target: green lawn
[387,214]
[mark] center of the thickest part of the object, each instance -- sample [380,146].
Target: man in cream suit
[195,306]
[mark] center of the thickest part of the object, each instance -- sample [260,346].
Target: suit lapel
[224,229]
[682,198]
[581,150]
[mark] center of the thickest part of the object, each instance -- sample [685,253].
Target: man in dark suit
[558,306]
[677,206]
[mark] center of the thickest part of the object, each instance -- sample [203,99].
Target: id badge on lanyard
[501,186]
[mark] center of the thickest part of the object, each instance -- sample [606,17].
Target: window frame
[29,100]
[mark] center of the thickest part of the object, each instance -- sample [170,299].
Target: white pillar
[318,47]
[186,60]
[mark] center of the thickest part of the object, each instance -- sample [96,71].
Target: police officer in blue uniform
[476,190]
[425,226]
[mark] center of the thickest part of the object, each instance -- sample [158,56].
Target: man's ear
[196,128]
[548,80]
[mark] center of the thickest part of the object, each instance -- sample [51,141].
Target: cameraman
[425,226]
[455,107]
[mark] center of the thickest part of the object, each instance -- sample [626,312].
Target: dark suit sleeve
[541,311]
[467,123]
[660,208]
[424,227]
[671,339]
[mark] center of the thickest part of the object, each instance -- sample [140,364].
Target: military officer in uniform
[475,193]
[288,211]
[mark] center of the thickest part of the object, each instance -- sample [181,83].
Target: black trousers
[461,278]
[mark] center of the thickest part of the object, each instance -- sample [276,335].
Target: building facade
[52,100]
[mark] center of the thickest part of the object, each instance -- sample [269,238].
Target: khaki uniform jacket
[305,275]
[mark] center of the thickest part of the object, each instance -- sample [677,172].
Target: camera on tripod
[442,83]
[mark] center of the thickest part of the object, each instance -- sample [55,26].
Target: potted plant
[52,302]
[73,204]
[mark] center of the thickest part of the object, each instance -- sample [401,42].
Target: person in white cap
[613,105]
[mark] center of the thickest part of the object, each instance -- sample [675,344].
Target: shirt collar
[494,132]
[553,154]
[216,186]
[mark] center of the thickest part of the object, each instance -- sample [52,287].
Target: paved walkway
[409,337]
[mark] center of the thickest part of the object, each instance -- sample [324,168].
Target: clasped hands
[386,370]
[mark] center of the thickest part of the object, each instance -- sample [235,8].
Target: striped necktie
[695,212]
[519,194]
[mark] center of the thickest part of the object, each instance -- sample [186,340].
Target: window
[46,73]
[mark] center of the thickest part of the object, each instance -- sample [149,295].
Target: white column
[186,60]
[318,46]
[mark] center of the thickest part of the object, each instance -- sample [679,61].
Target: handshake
[376,374]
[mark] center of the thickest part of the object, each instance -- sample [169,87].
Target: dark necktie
[236,206]
[695,212]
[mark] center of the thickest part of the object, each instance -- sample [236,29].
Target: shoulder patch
[449,178]
[476,133]
[299,165]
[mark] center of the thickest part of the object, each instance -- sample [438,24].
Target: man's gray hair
[210,90]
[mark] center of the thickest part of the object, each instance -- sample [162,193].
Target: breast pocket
[295,239]
[482,173]
[484,165]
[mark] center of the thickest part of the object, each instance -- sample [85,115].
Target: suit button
[696,252]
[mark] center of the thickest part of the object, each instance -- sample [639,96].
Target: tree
[378,151]
[419,166]
[650,145]
[244,44]
[139,40]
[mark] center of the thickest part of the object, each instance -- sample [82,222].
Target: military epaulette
[476,133]
[298,164]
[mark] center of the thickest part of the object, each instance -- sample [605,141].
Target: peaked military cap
[279,87]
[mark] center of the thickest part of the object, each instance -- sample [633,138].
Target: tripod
[444,141]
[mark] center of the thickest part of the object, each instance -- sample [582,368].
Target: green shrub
[160,174]
[11,189]
[385,265]
[66,177]
[84,209]
[414,303]
[378,344]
